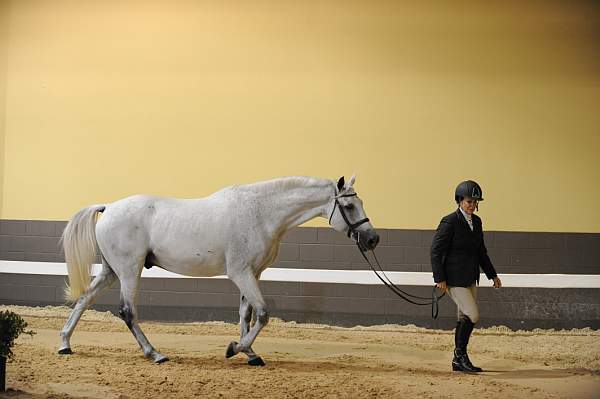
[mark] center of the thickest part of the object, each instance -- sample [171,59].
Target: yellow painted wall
[4,30]
[105,99]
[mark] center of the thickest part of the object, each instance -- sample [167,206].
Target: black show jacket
[457,252]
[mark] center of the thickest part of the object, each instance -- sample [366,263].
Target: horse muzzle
[367,240]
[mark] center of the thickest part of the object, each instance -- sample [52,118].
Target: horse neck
[296,205]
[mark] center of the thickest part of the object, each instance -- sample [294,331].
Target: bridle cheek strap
[351,226]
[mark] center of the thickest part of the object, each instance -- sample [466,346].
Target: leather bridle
[351,226]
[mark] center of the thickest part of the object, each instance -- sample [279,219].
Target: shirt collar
[465,214]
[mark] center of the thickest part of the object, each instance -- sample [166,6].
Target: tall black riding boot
[461,361]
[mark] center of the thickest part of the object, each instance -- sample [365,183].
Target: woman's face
[468,205]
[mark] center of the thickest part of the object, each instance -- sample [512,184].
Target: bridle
[352,232]
[351,226]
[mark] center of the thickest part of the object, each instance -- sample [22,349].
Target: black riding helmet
[468,189]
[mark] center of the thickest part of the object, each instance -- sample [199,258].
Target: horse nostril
[373,241]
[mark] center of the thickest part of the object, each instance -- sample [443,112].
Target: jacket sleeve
[485,262]
[439,248]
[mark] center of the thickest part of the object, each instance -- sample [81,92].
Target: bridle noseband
[351,226]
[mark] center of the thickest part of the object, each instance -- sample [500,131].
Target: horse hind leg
[128,312]
[101,282]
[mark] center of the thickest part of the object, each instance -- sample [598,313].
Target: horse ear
[341,183]
[352,180]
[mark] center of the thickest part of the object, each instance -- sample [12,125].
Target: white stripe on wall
[335,276]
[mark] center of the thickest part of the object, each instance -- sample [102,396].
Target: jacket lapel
[465,224]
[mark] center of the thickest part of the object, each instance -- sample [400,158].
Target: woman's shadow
[535,373]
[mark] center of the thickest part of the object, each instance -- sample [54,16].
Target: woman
[457,252]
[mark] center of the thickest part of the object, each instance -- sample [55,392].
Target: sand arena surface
[303,361]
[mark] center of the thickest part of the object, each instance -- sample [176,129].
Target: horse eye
[349,206]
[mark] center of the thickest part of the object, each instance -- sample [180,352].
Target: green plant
[11,326]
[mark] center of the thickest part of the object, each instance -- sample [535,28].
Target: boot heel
[456,367]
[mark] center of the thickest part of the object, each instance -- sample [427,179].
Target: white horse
[235,231]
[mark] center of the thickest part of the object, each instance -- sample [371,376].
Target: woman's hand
[497,282]
[442,286]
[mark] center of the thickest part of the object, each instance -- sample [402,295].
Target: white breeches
[466,301]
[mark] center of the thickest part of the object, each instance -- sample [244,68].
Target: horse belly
[195,265]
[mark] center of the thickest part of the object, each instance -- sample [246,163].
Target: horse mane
[284,183]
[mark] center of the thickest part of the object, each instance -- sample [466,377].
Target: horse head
[348,215]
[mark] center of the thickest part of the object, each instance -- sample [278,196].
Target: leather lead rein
[434,301]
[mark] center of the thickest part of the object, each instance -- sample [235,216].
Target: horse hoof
[257,361]
[157,357]
[65,351]
[161,359]
[231,350]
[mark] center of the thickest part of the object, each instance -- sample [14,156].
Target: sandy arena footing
[303,361]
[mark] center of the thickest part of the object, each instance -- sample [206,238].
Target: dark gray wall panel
[324,248]
[338,304]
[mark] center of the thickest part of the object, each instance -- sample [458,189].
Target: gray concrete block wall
[31,240]
[408,250]
[324,248]
[339,304]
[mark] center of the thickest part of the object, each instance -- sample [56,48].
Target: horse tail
[79,243]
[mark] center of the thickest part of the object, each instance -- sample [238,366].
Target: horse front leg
[245,319]
[245,316]
[250,291]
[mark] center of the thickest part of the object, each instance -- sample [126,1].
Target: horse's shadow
[323,365]
[18,393]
